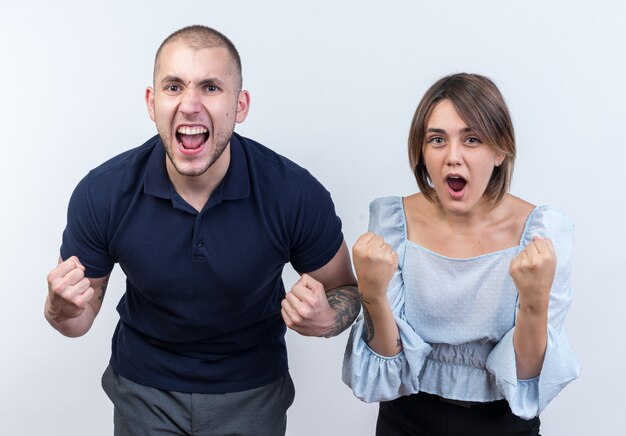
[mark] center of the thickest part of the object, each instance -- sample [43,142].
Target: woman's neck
[487,228]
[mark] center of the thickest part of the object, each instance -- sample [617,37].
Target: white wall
[334,85]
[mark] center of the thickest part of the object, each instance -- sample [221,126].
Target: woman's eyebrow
[435,130]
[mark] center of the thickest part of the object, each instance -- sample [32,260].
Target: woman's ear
[499,159]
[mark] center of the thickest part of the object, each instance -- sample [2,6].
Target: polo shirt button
[200,243]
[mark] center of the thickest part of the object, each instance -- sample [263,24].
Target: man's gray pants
[140,410]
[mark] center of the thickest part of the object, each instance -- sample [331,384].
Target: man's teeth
[185,130]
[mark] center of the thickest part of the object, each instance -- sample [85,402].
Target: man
[201,221]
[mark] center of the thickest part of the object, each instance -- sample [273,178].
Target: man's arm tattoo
[103,289]
[346,302]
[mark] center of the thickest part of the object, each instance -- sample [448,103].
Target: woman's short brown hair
[480,104]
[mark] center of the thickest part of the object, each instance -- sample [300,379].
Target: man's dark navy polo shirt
[201,311]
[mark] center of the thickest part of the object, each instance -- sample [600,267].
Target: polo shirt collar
[236,183]
[234,186]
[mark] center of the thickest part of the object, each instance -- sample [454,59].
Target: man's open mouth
[192,138]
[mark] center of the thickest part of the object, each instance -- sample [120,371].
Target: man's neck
[197,190]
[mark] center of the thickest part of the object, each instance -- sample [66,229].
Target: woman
[464,286]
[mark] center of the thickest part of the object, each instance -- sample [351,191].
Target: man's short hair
[199,37]
[480,104]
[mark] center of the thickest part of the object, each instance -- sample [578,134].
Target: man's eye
[172,88]
[211,88]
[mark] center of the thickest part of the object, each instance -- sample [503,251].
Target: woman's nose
[454,156]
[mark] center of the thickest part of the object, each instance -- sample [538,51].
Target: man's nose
[190,102]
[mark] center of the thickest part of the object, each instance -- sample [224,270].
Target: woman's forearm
[530,340]
[380,331]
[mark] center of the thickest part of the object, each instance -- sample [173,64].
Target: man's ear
[150,102]
[243,105]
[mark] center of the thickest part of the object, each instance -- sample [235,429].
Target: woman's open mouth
[456,186]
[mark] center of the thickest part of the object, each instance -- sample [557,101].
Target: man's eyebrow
[171,79]
[203,82]
[211,81]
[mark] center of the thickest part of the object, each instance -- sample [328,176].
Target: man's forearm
[346,302]
[72,327]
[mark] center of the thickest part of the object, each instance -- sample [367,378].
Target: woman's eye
[473,140]
[436,141]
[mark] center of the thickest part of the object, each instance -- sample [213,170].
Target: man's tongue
[192,141]
[456,184]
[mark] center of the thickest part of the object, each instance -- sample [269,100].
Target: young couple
[464,287]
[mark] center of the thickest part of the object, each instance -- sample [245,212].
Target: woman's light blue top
[456,319]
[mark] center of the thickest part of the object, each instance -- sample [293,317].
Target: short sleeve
[527,398]
[316,227]
[84,235]
[371,376]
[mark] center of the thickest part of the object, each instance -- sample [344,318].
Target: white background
[334,85]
